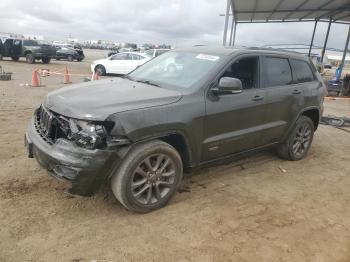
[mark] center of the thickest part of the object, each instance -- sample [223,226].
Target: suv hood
[97,100]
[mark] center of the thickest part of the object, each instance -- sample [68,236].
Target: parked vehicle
[32,50]
[1,50]
[155,52]
[114,52]
[141,132]
[70,54]
[121,63]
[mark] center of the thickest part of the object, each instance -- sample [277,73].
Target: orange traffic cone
[35,79]
[95,76]
[66,77]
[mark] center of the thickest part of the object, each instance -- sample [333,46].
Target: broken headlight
[88,134]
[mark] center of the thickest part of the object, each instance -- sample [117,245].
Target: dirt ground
[259,208]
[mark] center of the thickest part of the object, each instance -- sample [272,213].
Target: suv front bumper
[84,169]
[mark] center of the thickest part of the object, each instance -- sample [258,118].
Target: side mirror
[228,85]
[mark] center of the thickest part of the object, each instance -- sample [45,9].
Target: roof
[227,50]
[291,10]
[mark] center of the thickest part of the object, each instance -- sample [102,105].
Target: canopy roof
[257,11]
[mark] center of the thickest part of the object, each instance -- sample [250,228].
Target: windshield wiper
[148,82]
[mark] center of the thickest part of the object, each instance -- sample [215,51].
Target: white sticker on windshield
[207,57]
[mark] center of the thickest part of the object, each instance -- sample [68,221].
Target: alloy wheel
[153,179]
[302,140]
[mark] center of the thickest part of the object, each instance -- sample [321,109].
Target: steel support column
[232,27]
[326,40]
[234,34]
[344,53]
[312,39]
[227,15]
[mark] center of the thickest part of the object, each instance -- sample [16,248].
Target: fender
[290,128]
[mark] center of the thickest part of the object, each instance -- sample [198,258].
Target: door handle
[257,98]
[296,91]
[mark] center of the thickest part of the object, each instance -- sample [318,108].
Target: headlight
[88,134]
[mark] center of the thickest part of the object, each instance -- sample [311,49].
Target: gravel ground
[259,208]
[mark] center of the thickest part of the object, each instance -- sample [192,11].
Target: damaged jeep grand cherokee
[181,110]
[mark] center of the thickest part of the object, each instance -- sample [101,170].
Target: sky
[176,22]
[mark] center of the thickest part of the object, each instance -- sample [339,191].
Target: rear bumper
[84,169]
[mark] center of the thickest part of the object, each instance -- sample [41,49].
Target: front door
[234,122]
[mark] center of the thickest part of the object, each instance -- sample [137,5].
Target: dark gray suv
[181,110]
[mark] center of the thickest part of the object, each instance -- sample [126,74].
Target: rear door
[284,97]
[234,122]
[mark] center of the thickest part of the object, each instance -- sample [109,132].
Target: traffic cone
[66,77]
[35,79]
[95,76]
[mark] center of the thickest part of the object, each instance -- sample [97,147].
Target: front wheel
[148,177]
[299,140]
[15,58]
[70,58]
[100,70]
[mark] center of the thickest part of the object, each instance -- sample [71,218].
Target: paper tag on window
[207,57]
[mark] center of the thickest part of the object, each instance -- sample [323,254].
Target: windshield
[175,69]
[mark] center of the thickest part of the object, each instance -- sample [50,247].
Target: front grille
[45,121]
[47,125]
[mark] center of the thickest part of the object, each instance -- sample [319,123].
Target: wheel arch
[314,114]
[27,52]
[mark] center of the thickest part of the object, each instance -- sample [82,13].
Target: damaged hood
[97,100]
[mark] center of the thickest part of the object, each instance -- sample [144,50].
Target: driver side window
[246,70]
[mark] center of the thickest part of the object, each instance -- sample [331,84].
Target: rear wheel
[46,60]
[299,140]
[148,177]
[15,58]
[30,59]
[100,70]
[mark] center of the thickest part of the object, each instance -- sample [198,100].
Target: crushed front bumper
[85,169]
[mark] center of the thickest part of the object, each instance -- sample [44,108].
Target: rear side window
[302,71]
[277,71]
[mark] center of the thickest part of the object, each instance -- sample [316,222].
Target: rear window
[302,71]
[277,71]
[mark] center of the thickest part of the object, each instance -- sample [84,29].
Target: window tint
[302,71]
[121,56]
[136,57]
[277,71]
[30,43]
[246,70]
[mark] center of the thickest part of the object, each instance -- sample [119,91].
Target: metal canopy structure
[279,11]
[291,10]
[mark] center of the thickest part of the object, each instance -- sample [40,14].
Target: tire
[57,59]
[79,59]
[136,188]
[100,69]
[30,59]
[1,56]
[14,58]
[70,58]
[298,141]
[46,60]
